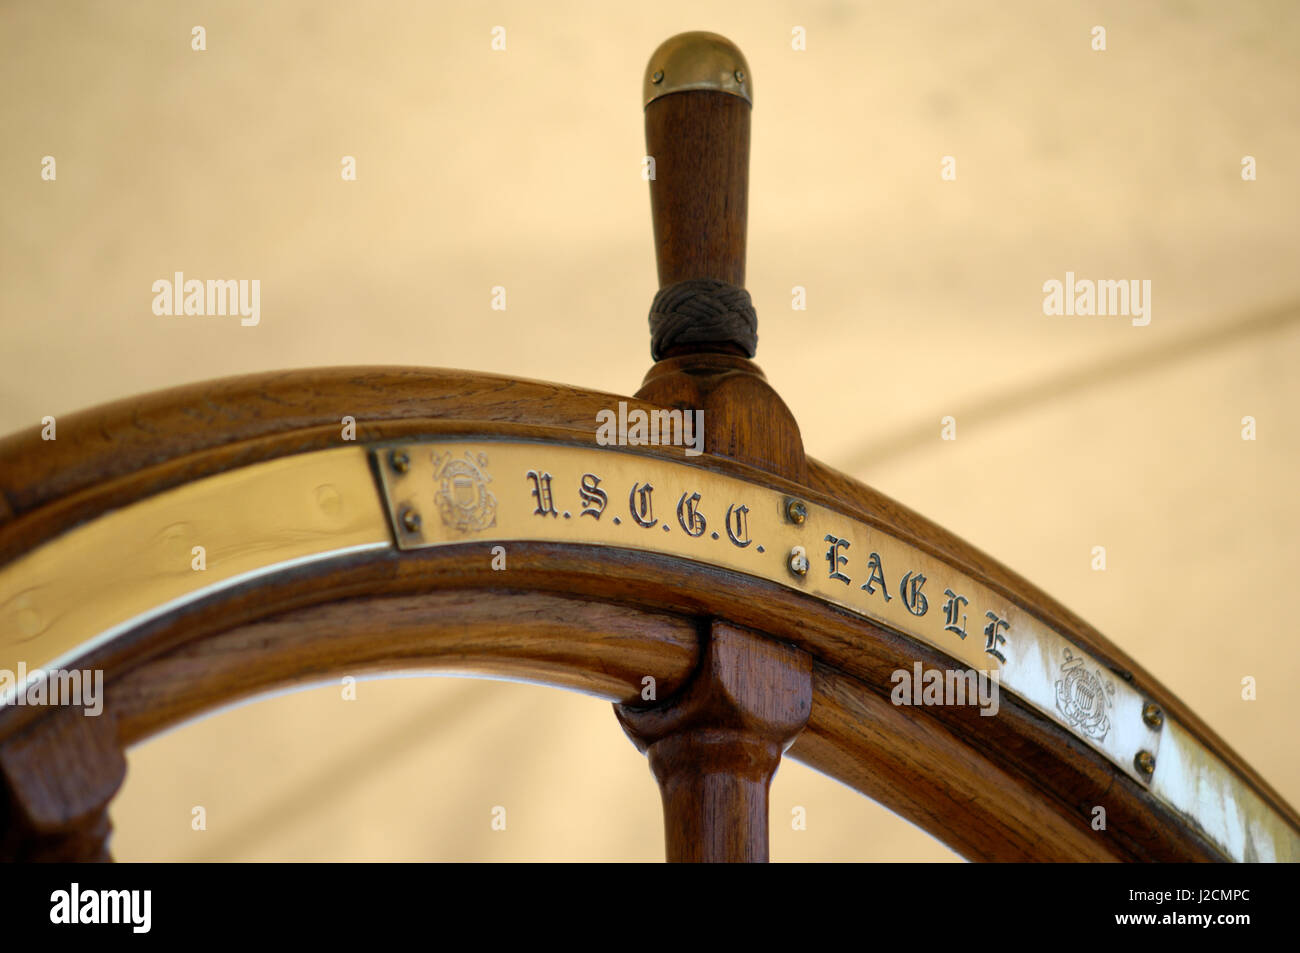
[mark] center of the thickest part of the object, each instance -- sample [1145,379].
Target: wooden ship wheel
[674,551]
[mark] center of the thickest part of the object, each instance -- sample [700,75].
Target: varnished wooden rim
[1050,777]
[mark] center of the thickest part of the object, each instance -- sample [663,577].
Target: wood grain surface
[699,197]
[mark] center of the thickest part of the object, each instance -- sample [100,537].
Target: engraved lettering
[951,610]
[641,505]
[689,515]
[542,493]
[593,498]
[877,576]
[913,598]
[835,559]
[993,637]
[738,525]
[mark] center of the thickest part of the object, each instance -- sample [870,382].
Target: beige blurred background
[521,168]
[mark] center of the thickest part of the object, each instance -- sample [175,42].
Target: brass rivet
[740,76]
[1145,762]
[798,561]
[658,77]
[795,511]
[410,520]
[399,460]
[1152,715]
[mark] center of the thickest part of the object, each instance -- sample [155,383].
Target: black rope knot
[702,311]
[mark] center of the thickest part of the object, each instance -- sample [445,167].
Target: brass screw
[410,520]
[795,511]
[740,76]
[399,460]
[1153,716]
[798,561]
[1145,762]
[658,77]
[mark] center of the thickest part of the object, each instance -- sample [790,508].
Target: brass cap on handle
[697,60]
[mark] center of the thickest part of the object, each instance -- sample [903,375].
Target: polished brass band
[697,60]
[137,563]
[130,565]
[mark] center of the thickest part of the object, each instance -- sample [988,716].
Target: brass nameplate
[453,492]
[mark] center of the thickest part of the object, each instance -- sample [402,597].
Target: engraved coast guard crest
[463,499]
[1083,698]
